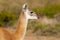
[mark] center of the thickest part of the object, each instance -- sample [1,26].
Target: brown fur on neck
[18,34]
[21,26]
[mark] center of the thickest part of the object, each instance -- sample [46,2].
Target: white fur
[26,11]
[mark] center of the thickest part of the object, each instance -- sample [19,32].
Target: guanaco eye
[31,12]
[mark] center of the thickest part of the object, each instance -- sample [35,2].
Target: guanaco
[20,32]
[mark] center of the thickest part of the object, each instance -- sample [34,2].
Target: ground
[40,38]
[31,36]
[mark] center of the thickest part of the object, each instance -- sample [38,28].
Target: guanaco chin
[19,34]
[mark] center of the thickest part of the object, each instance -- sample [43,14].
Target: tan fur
[17,35]
[4,34]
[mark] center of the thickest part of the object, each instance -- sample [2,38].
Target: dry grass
[41,38]
[31,36]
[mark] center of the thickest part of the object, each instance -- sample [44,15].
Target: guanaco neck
[22,26]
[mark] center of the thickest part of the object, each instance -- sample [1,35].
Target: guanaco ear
[25,7]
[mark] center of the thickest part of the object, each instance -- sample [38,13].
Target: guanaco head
[29,14]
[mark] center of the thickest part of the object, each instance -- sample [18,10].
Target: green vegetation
[7,18]
[44,29]
[49,10]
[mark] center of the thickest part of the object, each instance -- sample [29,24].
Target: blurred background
[47,27]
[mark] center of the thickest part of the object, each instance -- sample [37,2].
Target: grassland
[46,26]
